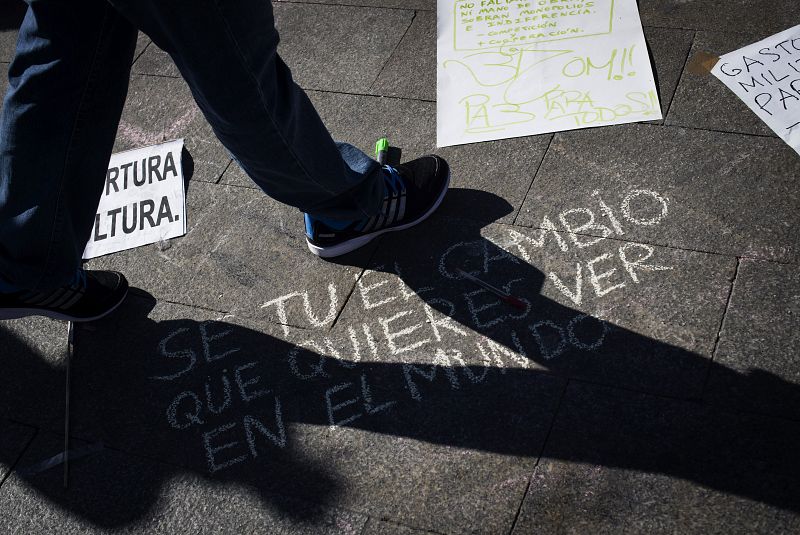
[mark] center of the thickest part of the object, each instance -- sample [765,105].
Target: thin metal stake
[70,347]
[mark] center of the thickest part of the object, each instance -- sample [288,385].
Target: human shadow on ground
[284,412]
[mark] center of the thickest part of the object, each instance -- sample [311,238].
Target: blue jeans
[67,86]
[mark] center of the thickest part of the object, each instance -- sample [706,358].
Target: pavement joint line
[293,326]
[697,29]
[696,401]
[541,453]
[662,124]
[371,95]
[371,519]
[535,174]
[665,246]
[633,390]
[394,50]
[139,294]
[715,131]
[222,174]
[13,466]
[141,53]
[392,8]
[642,242]
[199,307]
[350,293]
[721,326]
[680,79]
[150,75]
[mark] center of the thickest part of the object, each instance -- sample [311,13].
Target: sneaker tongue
[415,172]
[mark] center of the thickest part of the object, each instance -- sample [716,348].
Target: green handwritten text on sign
[509,68]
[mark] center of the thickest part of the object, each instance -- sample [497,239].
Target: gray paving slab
[239,400]
[495,167]
[14,438]
[411,70]
[8,44]
[32,356]
[162,109]
[588,316]
[112,492]
[619,462]
[723,193]
[702,101]
[327,47]
[242,250]
[338,48]
[758,369]
[768,16]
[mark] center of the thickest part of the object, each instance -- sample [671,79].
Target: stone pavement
[652,385]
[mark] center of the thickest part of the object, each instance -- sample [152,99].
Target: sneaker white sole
[356,243]
[17,313]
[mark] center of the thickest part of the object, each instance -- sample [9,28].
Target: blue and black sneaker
[414,191]
[93,295]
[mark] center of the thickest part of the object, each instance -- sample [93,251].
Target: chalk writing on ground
[434,335]
[509,68]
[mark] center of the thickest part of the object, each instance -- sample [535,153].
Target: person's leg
[227,52]
[67,86]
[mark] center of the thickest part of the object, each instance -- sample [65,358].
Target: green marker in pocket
[382,150]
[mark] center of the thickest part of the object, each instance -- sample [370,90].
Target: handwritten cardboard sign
[509,68]
[766,76]
[143,200]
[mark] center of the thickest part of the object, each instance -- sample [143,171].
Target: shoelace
[394,202]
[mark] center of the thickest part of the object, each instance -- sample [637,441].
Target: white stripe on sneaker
[55,296]
[402,211]
[392,211]
[75,299]
[63,299]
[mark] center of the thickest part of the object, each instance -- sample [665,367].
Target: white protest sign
[766,76]
[143,200]
[509,68]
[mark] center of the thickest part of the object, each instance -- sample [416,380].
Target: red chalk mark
[140,137]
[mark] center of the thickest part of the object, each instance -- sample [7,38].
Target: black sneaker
[414,191]
[95,294]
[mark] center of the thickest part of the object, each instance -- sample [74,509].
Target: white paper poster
[509,68]
[143,200]
[766,76]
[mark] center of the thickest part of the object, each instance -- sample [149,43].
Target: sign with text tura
[509,68]
[143,200]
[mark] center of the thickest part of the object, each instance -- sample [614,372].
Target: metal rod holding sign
[70,349]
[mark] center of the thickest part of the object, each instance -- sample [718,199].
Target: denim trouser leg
[227,52]
[67,87]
